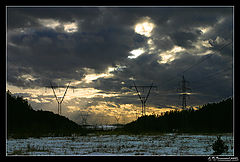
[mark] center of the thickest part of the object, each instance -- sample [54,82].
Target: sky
[102,51]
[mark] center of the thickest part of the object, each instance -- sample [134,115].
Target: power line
[207,57]
[193,65]
[183,88]
[142,98]
[205,86]
[212,75]
[57,98]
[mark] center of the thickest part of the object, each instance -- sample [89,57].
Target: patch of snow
[117,145]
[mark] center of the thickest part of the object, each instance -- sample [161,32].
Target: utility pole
[184,90]
[143,98]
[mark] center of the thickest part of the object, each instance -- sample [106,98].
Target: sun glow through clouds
[53,24]
[91,75]
[135,53]
[70,27]
[144,28]
[27,77]
[49,23]
[205,29]
[170,55]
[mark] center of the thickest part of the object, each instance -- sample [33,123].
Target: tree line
[211,117]
[23,121]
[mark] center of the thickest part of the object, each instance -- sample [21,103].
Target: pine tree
[219,146]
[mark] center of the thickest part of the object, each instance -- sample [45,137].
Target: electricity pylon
[143,98]
[57,98]
[117,118]
[84,118]
[184,90]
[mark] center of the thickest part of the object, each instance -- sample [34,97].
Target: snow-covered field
[167,144]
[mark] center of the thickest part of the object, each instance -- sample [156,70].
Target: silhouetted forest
[214,117]
[23,121]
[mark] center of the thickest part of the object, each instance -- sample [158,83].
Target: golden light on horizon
[78,101]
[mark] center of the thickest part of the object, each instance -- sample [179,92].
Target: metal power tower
[84,118]
[59,99]
[184,90]
[117,118]
[141,96]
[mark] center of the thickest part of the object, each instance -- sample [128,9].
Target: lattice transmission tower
[184,91]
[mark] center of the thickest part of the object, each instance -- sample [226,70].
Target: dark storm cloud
[184,39]
[52,54]
[207,78]
[20,17]
[106,36]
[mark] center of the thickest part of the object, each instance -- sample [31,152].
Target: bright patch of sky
[53,24]
[49,23]
[70,27]
[145,27]
[136,52]
[170,55]
[27,77]
[204,30]
[151,44]
[91,75]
